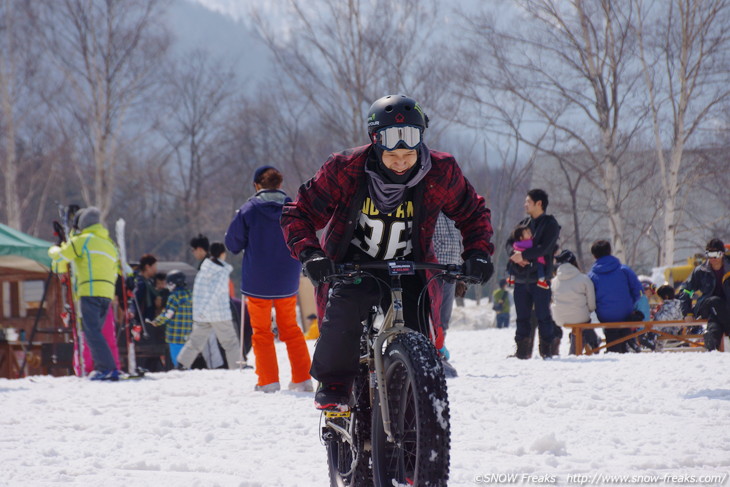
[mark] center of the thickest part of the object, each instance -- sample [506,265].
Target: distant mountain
[224,27]
[223,32]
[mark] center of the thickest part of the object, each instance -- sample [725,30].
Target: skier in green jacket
[95,262]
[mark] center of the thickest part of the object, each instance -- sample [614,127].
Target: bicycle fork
[392,325]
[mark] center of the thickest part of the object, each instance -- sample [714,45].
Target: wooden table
[11,360]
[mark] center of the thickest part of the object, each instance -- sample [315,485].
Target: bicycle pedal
[336,414]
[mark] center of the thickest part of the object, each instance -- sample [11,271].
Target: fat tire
[419,410]
[339,454]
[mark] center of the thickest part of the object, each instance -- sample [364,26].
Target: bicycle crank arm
[340,430]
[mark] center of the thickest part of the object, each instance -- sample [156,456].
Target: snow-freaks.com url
[601,479]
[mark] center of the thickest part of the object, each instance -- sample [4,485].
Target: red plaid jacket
[333,198]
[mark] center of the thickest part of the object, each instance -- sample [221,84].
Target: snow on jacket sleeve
[236,238]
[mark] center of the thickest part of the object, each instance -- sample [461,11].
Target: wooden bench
[693,342]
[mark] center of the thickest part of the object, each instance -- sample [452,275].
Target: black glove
[479,266]
[318,268]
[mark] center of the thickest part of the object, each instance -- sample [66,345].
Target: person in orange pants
[267,367]
[270,278]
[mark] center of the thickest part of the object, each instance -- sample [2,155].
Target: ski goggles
[714,254]
[390,138]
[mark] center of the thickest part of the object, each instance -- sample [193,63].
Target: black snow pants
[715,310]
[337,353]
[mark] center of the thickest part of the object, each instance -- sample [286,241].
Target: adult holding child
[528,293]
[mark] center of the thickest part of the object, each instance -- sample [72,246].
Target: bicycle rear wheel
[349,462]
[419,414]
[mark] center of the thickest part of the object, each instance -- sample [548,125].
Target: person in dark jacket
[270,277]
[709,287]
[379,202]
[617,291]
[151,348]
[523,266]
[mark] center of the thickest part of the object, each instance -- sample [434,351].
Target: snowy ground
[655,418]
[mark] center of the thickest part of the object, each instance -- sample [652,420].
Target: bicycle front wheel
[419,415]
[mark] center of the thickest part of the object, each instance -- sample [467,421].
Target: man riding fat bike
[379,202]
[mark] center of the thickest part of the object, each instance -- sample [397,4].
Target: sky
[635,419]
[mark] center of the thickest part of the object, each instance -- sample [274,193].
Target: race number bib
[384,236]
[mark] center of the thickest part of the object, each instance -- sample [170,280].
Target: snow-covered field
[654,418]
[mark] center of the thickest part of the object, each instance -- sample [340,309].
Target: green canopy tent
[21,252]
[25,265]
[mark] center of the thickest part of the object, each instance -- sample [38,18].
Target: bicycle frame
[393,321]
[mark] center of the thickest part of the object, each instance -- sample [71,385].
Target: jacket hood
[567,271]
[269,202]
[209,264]
[97,229]
[606,264]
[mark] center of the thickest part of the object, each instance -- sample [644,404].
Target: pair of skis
[132,331]
[119,229]
[70,315]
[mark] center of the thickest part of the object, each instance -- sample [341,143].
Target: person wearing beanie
[380,201]
[94,260]
[270,279]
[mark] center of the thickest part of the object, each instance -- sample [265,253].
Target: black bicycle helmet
[395,110]
[177,278]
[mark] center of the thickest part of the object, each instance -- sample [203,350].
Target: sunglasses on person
[390,137]
[714,254]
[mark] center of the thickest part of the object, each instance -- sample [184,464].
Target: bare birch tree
[343,55]
[195,107]
[683,48]
[21,116]
[569,62]
[106,51]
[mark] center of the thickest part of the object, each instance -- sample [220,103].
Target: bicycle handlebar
[400,267]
